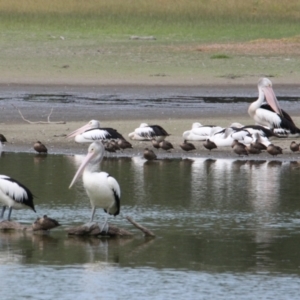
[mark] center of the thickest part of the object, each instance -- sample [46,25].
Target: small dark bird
[251,149]
[239,148]
[109,147]
[149,154]
[155,143]
[115,144]
[274,150]
[294,146]
[165,145]
[187,146]
[208,144]
[40,147]
[259,145]
[123,144]
[2,138]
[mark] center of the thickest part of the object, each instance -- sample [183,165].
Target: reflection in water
[209,215]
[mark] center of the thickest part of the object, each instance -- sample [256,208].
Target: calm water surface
[225,229]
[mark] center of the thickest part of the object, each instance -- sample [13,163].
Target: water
[225,229]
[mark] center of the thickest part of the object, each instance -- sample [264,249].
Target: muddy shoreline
[125,118]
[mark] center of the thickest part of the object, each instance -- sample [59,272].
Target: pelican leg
[2,212]
[9,213]
[91,223]
[93,213]
[104,226]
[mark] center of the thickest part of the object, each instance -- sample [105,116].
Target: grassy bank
[90,40]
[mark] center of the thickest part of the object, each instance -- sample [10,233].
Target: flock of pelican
[104,191]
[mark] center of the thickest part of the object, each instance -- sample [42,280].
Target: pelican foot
[104,227]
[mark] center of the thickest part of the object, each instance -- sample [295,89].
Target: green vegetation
[91,38]
[201,20]
[219,56]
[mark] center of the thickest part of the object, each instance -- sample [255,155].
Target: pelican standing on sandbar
[15,195]
[268,113]
[102,189]
[93,132]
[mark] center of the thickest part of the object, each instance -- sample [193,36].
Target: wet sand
[21,135]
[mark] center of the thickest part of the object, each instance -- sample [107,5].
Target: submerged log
[40,224]
[95,230]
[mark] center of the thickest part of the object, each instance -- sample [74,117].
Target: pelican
[15,195]
[226,137]
[2,138]
[40,147]
[269,113]
[93,132]
[102,189]
[200,132]
[148,132]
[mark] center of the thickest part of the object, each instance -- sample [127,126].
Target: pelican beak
[79,131]
[81,168]
[272,100]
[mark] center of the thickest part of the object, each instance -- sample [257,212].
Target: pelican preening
[268,113]
[93,132]
[102,189]
[200,132]
[15,195]
[148,132]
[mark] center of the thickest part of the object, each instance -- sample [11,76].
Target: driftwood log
[110,230]
[43,224]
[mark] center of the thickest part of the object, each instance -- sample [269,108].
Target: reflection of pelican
[15,195]
[92,132]
[102,189]
[270,114]
[148,132]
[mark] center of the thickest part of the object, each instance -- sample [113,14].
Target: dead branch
[146,231]
[38,122]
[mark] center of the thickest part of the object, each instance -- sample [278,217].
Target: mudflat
[24,122]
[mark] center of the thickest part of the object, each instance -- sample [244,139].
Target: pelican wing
[102,134]
[113,184]
[15,190]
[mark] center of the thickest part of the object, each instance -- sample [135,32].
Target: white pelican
[225,137]
[15,195]
[269,113]
[200,132]
[148,132]
[102,189]
[93,132]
